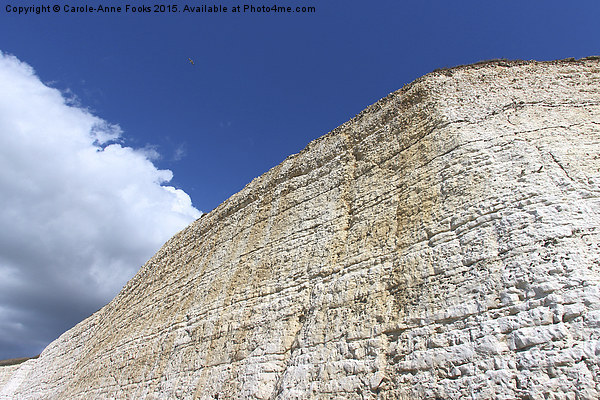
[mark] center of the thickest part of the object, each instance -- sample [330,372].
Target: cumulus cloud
[79,211]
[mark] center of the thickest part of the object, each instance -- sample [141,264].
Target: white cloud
[79,212]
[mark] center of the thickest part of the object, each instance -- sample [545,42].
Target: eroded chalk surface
[442,244]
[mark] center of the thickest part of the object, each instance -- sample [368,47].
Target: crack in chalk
[561,167]
[278,389]
[514,105]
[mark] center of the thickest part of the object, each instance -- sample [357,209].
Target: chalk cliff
[444,243]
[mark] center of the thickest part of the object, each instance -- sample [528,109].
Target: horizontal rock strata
[444,243]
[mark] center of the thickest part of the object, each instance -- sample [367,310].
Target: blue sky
[262,86]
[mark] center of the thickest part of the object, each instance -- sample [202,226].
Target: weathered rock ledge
[444,243]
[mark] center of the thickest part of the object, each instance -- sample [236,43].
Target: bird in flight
[191,61]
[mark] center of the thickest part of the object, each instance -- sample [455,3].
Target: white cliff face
[445,243]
